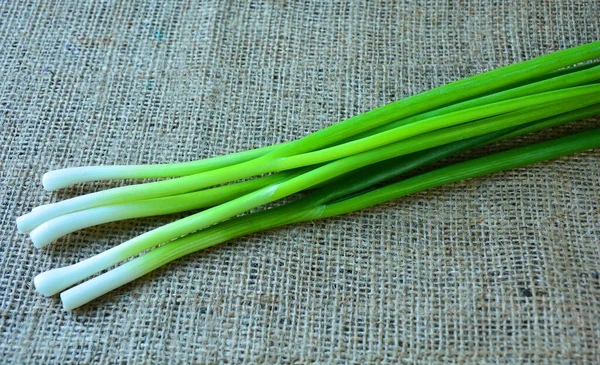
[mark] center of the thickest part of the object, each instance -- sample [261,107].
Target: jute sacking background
[499,269]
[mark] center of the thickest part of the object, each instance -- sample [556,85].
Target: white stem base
[56,280]
[100,285]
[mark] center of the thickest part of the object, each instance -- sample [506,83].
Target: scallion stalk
[344,164]
[548,66]
[296,212]
[363,151]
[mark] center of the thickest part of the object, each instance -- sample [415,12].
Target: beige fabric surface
[500,269]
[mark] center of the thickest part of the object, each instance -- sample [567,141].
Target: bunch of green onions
[343,168]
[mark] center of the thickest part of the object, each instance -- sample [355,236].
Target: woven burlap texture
[500,269]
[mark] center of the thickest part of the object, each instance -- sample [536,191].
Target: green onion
[344,165]
[348,155]
[301,211]
[493,81]
[51,229]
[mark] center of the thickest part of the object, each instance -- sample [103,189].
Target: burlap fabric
[499,269]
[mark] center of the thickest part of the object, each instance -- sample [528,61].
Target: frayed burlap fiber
[500,269]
